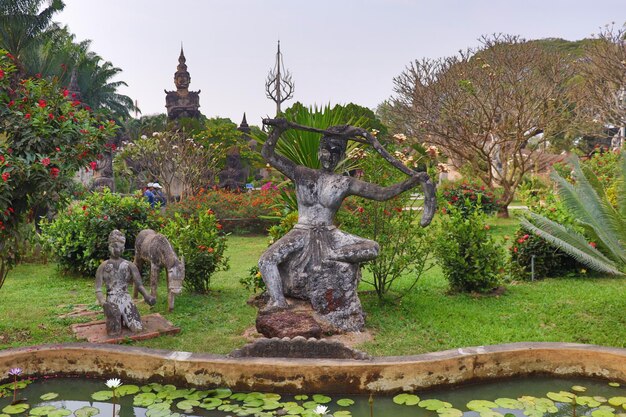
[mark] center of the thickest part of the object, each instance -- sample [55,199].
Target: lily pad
[579,388]
[16,409]
[600,399]
[602,413]
[102,395]
[614,384]
[449,412]
[294,409]
[321,399]
[310,404]
[61,412]
[345,402]
[126,390]
[561,397]
[617,401]
[44,410]
[434,405]
[342,413]
[271,405]
[301,397]
[509,403]
[49,396]
[588,401]
[221,393]
[144,399]
[406,399]
[86,412]
[210,403]
[481,405]
[187,405]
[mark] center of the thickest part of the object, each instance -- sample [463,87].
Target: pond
[530,396]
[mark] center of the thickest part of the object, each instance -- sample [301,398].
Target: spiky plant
[602,247]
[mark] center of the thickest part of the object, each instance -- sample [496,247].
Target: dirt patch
[17,335]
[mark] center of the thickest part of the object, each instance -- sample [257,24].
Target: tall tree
[603,70]
[23,23]
[493,108]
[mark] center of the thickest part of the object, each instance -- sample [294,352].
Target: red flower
[210,250]
[65,92]
[87,108]
[74,96]
[105,217]
[1,74]
[54,172]
[360,209]
[42,103]
[526,236]
[5,176]
[93,165]
[84,208]
[58,149]
[10,56]
[27,116]
[50,116]
[1,159]
[487,227]
[11,103]
[84,131]
[592,244]
[11,210]
[520,240]
[219,226]
[515,249]
[38,75]
[45,162]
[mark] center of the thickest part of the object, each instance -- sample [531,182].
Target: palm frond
[570,242]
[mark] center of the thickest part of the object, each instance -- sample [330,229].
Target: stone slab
[154,325]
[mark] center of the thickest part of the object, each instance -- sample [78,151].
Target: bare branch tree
[493,108]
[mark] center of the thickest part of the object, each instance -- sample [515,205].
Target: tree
[23,23]
[172,156]
[603,71]
[44,140]
[494,108]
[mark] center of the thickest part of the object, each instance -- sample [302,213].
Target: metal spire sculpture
[279,86]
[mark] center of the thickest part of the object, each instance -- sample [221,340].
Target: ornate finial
[182,77]
[279,87]
[73,88]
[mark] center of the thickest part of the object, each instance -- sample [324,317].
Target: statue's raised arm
[284,165]
[375,192]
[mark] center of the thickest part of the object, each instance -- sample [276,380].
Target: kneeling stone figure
[116,274]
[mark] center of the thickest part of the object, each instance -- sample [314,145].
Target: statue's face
[116,248]
[329,156]
[182,81]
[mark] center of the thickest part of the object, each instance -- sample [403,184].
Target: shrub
[549,261]
[78,236]
[469,256]
[243,212]
[197,238]
[467,196]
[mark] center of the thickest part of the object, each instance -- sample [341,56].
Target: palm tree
[23,23]
[602,247]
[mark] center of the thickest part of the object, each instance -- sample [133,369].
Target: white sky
[338,51]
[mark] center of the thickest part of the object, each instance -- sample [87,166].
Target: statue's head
[332,147]
[117,242]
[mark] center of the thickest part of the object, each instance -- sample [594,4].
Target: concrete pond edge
[378,375]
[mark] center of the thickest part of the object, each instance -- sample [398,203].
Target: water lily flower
[15,371]
[321,410]
[113,383]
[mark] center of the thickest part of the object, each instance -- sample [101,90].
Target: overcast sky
[338,51]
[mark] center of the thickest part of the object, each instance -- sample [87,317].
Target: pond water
[530,397]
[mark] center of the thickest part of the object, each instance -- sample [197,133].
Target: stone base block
[154,325]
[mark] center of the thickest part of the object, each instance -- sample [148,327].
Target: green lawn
[584,310]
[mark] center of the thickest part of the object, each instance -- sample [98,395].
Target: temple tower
[182,102]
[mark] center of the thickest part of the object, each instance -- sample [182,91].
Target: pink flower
[54,172]
[93,165]
[45,162]
[65,93]
[1,74]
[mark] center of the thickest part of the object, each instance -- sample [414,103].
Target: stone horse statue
[153,247]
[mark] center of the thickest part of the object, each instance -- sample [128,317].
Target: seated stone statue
[116,274]
[315,260]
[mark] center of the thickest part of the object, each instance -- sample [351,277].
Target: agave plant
[602,247]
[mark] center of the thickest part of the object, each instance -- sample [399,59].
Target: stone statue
[233,176]
[116,274]
[153,247]
[316,261]
[182,102]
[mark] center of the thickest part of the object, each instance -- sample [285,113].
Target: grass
[581,309]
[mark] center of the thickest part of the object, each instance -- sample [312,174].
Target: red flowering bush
[253,211]
[468,195]
[548,260]
[45,140]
